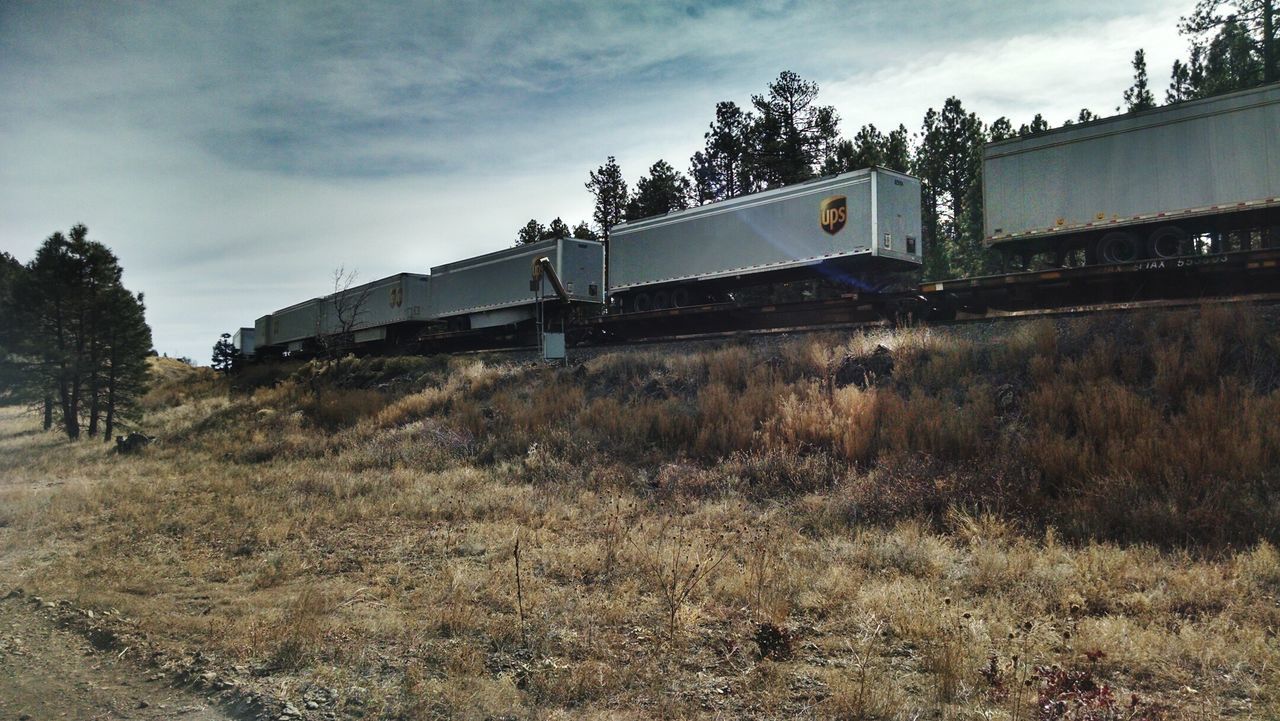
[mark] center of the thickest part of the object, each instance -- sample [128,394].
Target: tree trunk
[1269,59]
[111,395]
[48,410]
[111,413]
[95,409]
[70,408]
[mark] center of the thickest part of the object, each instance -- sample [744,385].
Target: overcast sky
[234,154]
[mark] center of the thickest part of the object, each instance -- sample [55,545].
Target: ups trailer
[842,227]
[494,289]
[1177,180]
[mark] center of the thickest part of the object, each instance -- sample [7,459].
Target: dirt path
[50,673]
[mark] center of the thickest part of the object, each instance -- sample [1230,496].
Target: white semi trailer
[1200,176]
[837,227]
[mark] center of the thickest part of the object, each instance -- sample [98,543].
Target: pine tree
[948,163]
[896,152]
[722,169]
[224,355]
[869,148]
[792,134]
[129,345]
[582,231]
[664,190]
[610,191]
[1001,129]
[1234,45]
[531,232]
[12,274]
[558,229]
[81,334]
[1138,97]
[1037,125]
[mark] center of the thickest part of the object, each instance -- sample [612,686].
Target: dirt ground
[50,673]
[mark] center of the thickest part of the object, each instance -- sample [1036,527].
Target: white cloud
[233,156]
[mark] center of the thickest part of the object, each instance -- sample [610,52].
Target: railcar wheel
[1118,247]
[679,298]
[1167,242]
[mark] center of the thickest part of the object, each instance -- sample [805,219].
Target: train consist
[488,291]
[841,227]
[1194,180]
[1140,186]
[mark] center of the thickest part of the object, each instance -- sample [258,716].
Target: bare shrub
[677,560]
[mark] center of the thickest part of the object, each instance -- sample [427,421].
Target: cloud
[233,154]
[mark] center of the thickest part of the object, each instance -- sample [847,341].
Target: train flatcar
[493,289]
[1142,185]
[834,227]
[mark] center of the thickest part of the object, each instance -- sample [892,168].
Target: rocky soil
[48,671]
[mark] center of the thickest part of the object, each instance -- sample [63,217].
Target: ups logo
[833,213]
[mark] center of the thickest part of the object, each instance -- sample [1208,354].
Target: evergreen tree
[1234,45]
[11,272]
[1038,125]
[722,169]
[948,163]
[129,346]
[792,134]
[869,148]
[664,190]
[224,355]
[558,229]
[11,359]
[843,158]
[1001,129]
[582,231]
[864,151]
[1138,97]
[896,151]
[83,330]
[532,232]
[610,192]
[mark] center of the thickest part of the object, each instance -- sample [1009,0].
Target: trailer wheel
[1118,247]
[1166,242]
[640,302]
[679,298]
[661,300]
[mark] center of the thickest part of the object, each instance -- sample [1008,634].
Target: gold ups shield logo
[832,214]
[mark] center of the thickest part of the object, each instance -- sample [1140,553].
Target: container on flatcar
[293,327]
[860,221]
[1136,185]
[370,311]
[262,332]
[493,289]
[243,341]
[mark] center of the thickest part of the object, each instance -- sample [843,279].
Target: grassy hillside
[1055,520]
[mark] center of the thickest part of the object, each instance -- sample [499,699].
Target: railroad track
[1244,277]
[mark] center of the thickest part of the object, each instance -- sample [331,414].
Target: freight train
[1191,180]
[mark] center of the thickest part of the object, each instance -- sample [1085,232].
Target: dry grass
[734,533]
